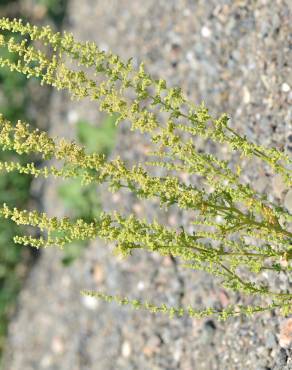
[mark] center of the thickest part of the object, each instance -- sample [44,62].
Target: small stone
[145,149]
[246,95]
[140,285]
[89,302]
[265,81]
[116,197]
[189,56]
[186,12]
[285,338]
[224,298]
[126,349]
[58,345]
[177,354]
[148,351]
[138,208]
[197,325]
[184,176]
[98,273]
[285,87]
[72,116]
[66,281]
[39,11]
[206,32]
[167,261]
[152,346]
[172,220]
[46,362]
[219,219]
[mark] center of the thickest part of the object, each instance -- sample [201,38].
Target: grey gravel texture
[234,55]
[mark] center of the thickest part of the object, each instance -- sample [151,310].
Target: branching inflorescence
[139,99]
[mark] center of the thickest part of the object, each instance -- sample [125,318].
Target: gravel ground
[234,55]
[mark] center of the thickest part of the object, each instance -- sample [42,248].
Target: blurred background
[23,99]
[235,56]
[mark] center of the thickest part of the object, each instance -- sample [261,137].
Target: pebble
[265,81]
[219,219]
[224,298]
[58,345]
[116,197]
[39,11]
[206,32]
[177,353]
[46,361]
[141,285]
[126,349]
[98,273]
[138,209]
[184,176]
[66,281]
[189,56]
[72,116]
[172,220]
[152,346]
[285,337]
[186,12]
[89,302]
[246,95]
[285,87]
[167,261]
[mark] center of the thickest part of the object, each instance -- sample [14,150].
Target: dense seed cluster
[138,98]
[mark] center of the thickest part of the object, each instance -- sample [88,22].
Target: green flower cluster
[189,311]
[137,97]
